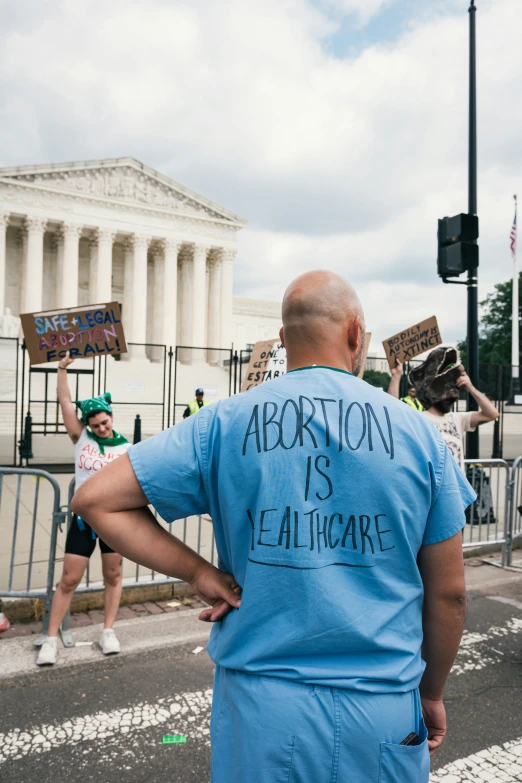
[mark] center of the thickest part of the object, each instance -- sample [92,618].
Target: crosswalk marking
[497,764]
[189,714]
[477,649]
[185,713]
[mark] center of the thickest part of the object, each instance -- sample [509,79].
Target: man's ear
[355,335]
[282,336]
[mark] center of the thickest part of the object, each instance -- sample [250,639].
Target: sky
[336,128]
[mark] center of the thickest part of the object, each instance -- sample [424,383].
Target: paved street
[96,719]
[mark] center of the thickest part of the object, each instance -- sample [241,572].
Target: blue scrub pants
[268,730]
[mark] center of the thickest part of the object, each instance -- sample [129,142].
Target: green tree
[376,378]
[495,338]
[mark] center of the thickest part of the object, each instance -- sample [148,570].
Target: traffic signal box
[458,251]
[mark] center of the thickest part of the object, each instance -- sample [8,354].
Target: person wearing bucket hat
[96,443]
[194,405]
[437,383]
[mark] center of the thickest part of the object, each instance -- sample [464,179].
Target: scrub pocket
[405,763]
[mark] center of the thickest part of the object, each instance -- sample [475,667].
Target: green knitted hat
[94,405]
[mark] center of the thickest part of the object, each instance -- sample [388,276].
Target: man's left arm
[486,411]
[117,509]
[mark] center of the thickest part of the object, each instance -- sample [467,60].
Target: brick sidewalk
[96,616]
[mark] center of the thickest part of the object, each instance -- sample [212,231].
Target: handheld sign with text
[92,330]
[267,361]
[413,341]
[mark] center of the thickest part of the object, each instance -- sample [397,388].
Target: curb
[27,610]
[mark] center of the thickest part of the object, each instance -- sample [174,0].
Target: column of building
[185,336]
[227,297]
[139,295]
[206,308]
[68,264]
[101,265]
[213,320]
[32,273]
[157,351]
[169,292]
[128,257]
[199,275]
[4,221]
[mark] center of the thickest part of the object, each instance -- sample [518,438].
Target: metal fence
[30,517]
[515,502]
[32,432]
[500,439]
[33,527]
[488,518]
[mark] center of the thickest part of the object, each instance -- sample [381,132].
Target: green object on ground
[173,739]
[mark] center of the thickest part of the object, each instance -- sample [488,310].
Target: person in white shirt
[438,382]
[96,443]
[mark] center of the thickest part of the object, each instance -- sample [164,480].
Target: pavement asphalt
[102,719]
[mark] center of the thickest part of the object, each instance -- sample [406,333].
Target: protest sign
[267,361]
[413,341]
[92,330]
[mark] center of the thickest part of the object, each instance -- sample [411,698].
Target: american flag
[513,235]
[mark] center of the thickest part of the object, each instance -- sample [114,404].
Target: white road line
[502,600]
[185,713]
[476,649]
[497,763]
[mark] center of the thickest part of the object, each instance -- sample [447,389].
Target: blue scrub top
[322,489]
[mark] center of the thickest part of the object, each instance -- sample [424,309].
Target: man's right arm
[444,611]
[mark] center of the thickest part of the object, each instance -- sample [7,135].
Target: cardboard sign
[268,361]
[86,332]
[412,341]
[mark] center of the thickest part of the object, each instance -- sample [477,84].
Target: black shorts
[82,542]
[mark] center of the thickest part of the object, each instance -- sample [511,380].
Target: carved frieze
[121,183]
[23,196]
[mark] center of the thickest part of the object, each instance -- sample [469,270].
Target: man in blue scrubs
[339,601]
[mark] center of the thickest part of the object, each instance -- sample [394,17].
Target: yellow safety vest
[194,406]
[413,403]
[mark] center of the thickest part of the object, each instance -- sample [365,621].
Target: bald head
[322,313]
[319,296]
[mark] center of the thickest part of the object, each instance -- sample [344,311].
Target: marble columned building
[98,231]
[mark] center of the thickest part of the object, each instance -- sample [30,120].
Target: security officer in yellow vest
[195,405]
[411,399]
[393,388]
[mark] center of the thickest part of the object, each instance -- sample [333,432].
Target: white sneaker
[48,651]
[109,642]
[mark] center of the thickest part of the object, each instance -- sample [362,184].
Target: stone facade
[96,231]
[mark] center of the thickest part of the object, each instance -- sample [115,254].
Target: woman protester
[96,444]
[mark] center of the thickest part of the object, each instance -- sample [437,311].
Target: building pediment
[119,180]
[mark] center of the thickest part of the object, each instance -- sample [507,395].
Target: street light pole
[472,450]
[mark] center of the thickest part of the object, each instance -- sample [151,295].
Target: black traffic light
[458,251]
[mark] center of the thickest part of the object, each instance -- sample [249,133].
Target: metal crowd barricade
[515,511]
[488,518]
[23,535]
[196,532]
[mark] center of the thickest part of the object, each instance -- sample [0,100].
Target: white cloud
[363,10]
[339,163]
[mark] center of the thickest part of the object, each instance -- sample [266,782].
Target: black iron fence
[148,402]
[29,409]
[495,380]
